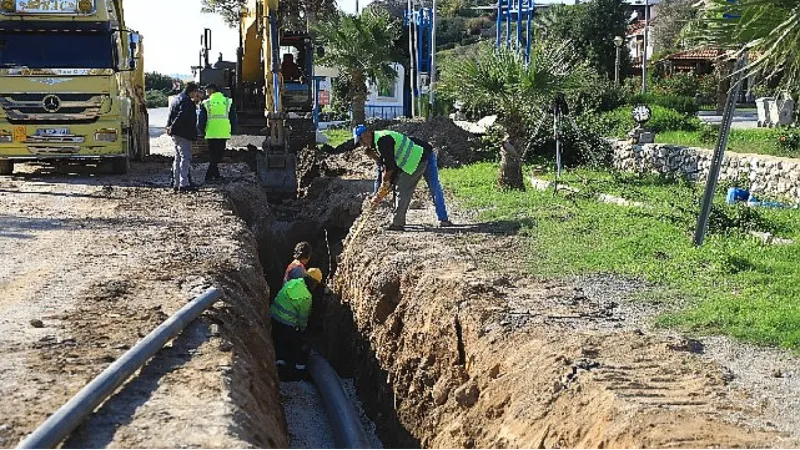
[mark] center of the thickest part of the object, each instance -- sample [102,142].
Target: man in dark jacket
[182,127]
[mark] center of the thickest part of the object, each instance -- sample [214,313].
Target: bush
[619,122]
[156,99]
[679,84]
[597,95]
[682,104]
[789,141]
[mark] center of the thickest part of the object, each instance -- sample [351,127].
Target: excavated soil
[455,347]
[91,264]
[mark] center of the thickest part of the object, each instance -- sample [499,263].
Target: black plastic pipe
[68,417]
[347,429]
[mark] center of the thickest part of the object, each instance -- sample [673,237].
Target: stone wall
[770,175]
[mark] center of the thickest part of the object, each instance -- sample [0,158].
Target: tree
[672,16]
[154,81]
[361,48]
[521,94]
[591,28]
[769,29]
[292,13]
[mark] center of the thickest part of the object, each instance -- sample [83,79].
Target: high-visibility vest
[295,264]
[407,155]
[292,306]
[218,125]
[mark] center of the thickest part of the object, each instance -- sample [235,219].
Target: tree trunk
[359,97]
[510,175]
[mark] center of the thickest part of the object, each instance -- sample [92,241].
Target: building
[385,102]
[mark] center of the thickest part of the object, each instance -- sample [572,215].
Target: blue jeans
[432,179]
[435,188]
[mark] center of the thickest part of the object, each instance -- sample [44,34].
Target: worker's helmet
[315,274]
[357,132]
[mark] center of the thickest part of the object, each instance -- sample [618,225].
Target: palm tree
[769,29]
[361,49]
[499,82]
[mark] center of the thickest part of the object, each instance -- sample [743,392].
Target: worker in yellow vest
[217,122]
[405,161]
[290,313]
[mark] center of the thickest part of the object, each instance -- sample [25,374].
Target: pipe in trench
[68,417]
[347,429]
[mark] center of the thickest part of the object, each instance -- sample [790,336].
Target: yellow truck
[71,84]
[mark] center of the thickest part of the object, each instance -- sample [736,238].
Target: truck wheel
[120,166]
[6,167]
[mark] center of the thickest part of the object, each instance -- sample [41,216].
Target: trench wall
[763,174]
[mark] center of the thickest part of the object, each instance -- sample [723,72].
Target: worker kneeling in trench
[290,313]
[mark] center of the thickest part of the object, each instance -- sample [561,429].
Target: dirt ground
[462,349]
[91,264]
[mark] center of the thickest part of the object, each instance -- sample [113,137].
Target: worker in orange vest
[297,268]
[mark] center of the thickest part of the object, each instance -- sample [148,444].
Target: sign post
[719,151]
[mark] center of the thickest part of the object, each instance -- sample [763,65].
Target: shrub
[156,99]
[619,122]
[789,141]
[597,95]
[682,104]
[678,84]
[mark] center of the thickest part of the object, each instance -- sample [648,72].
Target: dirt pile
[458,349]
[97,263]
[456,146]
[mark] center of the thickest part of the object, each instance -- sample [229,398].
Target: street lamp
[644,49]
[618,41]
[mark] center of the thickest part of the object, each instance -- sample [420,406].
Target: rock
[36,323]
[441,391]
[467,395]
[777,373]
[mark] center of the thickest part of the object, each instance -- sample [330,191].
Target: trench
[332,330]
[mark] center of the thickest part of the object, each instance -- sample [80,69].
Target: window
[387,90]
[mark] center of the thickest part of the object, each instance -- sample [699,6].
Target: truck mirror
[320,51]
[134,44]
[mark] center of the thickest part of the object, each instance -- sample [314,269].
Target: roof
[706,54]
[636,28]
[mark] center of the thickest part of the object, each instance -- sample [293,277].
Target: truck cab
[71,84]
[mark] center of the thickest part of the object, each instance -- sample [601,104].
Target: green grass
[338,136]
[734,284]
[762,141]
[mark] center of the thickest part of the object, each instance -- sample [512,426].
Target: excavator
[272,85]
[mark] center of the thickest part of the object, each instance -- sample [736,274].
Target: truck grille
[51,107]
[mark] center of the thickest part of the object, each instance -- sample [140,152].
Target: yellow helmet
[315,274]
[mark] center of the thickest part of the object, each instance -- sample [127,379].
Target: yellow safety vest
[407,155]
[218,125]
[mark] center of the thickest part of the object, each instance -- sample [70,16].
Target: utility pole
[412,55]
[432,85]
[719,152]
[644,48]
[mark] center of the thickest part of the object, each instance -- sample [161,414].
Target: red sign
[324,98]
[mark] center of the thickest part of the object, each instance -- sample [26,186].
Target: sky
[172,29]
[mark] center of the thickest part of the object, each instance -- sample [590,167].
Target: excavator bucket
[277,171]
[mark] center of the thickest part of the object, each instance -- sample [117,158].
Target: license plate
[52,132]
[20,135]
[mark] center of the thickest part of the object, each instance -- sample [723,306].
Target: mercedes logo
[51,103]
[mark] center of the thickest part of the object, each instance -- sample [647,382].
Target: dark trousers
[290,346]
[216,148]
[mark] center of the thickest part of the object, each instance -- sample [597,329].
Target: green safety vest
[218,108]
[292,306]
[407,155]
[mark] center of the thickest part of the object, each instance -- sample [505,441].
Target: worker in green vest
[217,122]
[290,313]
[405,160]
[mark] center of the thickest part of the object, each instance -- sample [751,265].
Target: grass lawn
[734,284]
[338,136]
[760,140]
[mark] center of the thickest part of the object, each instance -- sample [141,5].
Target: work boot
[445,224]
